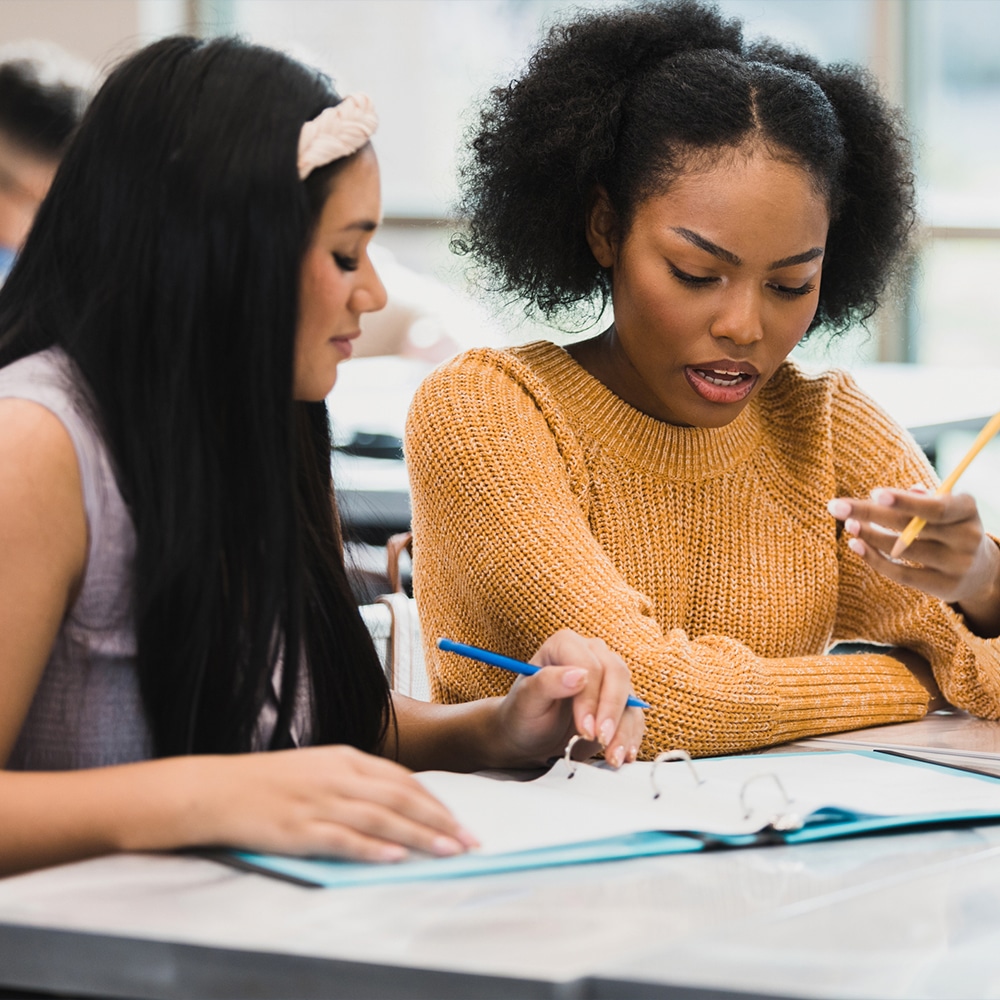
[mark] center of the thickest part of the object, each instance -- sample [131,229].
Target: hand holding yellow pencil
[910,532]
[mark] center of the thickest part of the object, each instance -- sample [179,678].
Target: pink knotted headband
[336,132]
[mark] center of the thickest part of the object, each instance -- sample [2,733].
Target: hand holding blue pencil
[507,663]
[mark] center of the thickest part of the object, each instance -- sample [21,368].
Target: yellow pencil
[915,526]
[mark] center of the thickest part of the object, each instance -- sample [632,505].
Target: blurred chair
[394,625]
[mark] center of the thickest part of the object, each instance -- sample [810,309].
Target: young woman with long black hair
[172,590]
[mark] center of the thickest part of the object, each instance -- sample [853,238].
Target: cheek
[654,308]
[803,317]
[321,297]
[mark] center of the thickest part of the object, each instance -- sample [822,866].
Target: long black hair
[628,99]
[165,261]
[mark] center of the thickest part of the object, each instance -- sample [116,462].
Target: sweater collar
[686,453]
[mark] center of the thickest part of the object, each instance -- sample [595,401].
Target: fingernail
[467,837]
[856,546]
[446,846]
[607,731]
[852,527]
[617,757]
[883,498]
[588,727]
[574,678]
[392,852]
[633,753]
[839,508]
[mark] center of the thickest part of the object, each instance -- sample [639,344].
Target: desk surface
[911,915]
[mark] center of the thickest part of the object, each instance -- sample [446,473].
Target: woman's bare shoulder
[41,497]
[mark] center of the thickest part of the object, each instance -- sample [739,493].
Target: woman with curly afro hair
[675,486]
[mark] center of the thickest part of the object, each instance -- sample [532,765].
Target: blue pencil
[507,663]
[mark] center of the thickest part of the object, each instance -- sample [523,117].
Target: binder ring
[570,763]
[780,821]
[668,755]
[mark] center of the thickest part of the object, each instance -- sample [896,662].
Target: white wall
[101,31]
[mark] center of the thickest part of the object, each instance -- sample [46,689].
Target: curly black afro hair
[626,99]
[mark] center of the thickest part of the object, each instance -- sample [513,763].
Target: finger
[382,823]
[550,686]
[335,840]
[887,513]
[361,775]
[919,577]
[405,797]
[889,507]
[618,728]
[893,509]
[566,647]
[948,551]
[871,534]
[615,687]
[624,744]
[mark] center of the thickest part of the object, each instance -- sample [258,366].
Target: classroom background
[931,356]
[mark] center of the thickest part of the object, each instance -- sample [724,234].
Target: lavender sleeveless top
[87,710]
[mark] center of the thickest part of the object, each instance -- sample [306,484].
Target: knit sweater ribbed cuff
[868,689]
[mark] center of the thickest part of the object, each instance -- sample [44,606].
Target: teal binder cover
[729,802]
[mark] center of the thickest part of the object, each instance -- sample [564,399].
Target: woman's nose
[370,294]
[738,318]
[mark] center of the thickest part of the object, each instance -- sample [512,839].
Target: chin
[313,393]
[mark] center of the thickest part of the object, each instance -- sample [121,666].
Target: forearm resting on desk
[329,800]
[921,669]
[431,737]
[53,817]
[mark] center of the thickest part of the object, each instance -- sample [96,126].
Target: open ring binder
[570,763]
[670,755]
[782,821]
[734,802]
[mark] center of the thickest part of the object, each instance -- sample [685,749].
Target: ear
[602,228]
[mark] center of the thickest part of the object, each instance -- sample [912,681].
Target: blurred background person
[43,92]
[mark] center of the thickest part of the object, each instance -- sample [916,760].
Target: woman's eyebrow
[708,246]
[361,226]
[798,258]
[729,257]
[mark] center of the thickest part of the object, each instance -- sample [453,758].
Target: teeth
[724,378]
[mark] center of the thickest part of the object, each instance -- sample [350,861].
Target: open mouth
[723,377]
[722,384]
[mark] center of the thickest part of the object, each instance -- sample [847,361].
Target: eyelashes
[694,281]
[689,279]
[345,263]
[793,293]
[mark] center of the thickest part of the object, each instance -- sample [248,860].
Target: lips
[722,381]
[343,343]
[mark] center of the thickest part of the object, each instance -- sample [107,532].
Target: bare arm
[43,538]
[327,800]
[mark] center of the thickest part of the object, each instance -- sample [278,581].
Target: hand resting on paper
[952,558]
[330,801]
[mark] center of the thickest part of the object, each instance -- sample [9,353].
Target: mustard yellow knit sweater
[705,557]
